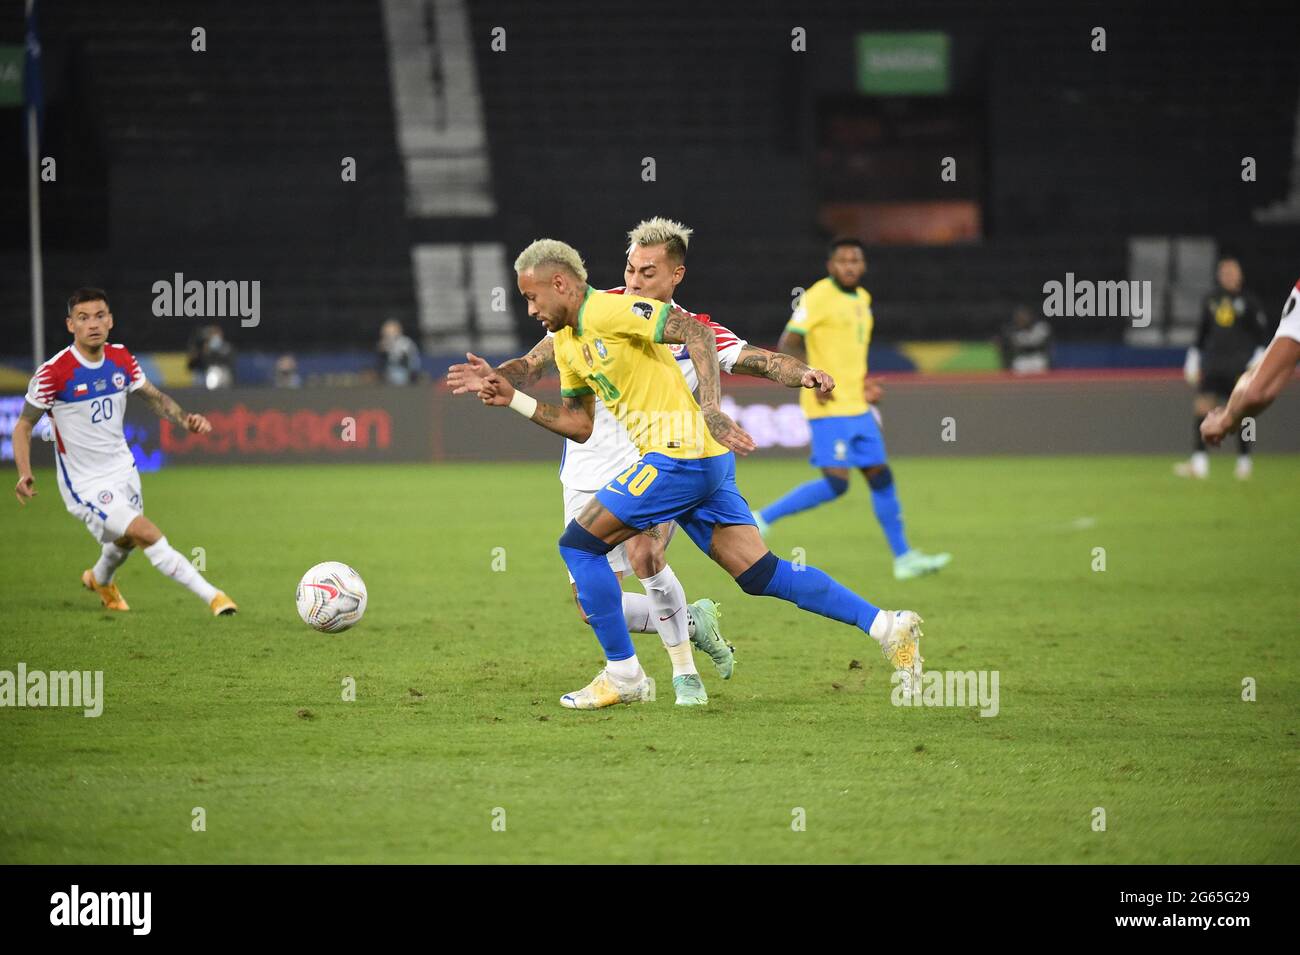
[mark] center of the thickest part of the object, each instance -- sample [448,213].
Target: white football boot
[902,648]
[604,691]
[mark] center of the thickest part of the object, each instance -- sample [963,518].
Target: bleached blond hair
[551,252]
[660,231]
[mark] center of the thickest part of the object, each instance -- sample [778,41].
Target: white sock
[111,557]
[881,626]
[683,659]
[669,602]
[1200,461]
[638,612]
[624,671]
[165,557]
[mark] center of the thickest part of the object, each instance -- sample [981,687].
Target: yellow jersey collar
[583,307]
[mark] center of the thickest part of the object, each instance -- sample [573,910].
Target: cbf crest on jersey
[601,350]
[644,309]
[586,353]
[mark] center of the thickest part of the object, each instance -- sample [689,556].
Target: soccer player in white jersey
[1258,388]
[83,389]
[655,267]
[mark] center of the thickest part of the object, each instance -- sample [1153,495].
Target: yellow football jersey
[616,353]
[836,328]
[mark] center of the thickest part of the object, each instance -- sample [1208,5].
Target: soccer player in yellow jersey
[832,327]
[611,348]
[655,268]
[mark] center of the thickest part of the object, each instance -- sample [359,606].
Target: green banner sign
[901,64]
[11,74]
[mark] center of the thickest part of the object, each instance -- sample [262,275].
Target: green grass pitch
[1119,689]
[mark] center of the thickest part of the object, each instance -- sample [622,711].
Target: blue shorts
[851,442]
[697,494]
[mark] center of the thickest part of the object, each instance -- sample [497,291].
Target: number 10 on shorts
[645,474]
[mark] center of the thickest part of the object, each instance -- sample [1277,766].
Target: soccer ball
[331,597]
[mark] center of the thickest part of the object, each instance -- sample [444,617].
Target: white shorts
[575,501]
[106,505]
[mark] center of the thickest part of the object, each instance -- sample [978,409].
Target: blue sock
[809,589]
[598,589]
[803,497]
[884,500]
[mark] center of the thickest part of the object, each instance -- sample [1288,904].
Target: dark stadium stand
[225,164]
[725,112]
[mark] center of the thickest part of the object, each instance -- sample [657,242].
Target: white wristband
[524,404]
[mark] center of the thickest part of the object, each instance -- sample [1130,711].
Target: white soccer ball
[331,597]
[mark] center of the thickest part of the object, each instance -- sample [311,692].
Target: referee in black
[1232,335]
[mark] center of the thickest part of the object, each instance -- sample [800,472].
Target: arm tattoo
[702,345]
[514,371]
[717,422]
[761,363]
[788,370]
[675,328]
[573,420]
[584,403]
[163,405]
[526,370]
[752,361]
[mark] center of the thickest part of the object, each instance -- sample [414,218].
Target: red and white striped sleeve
[43,387]
[730,344]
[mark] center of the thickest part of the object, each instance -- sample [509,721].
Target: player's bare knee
[143,532]
[736,547]
[646,566]
[646,555]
